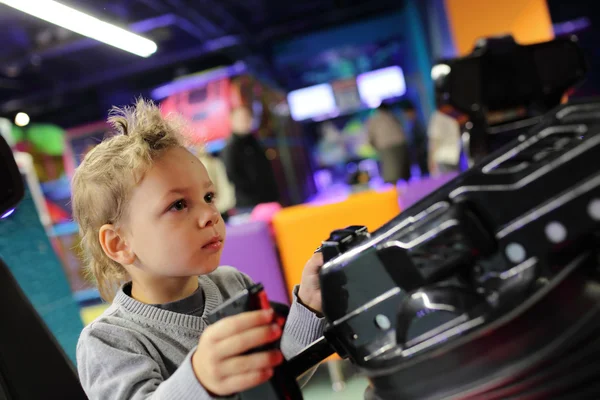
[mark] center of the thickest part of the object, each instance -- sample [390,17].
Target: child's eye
[210,197]
[179,205]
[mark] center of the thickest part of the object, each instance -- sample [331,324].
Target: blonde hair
[103,183]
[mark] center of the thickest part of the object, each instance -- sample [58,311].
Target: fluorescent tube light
[84,24]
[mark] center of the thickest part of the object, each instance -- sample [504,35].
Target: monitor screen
[381,84]
[346,95]
[312,102]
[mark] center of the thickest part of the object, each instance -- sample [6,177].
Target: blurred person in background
[387,136]
[225,198]
[444,143]
[418,136]
[247,165]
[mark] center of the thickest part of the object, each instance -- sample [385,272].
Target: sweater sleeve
[115,366]
[301,328]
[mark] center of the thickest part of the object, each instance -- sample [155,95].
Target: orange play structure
[300,229]
[527,20]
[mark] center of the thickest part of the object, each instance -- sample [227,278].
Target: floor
[320,386]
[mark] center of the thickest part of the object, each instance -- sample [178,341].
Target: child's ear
[115,246]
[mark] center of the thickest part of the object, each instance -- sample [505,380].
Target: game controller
[283,385]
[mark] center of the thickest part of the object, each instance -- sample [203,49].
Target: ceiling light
[84,24]
[21,119]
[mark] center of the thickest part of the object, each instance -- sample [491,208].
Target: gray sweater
[140,351]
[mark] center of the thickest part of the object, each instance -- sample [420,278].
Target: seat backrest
[32,364]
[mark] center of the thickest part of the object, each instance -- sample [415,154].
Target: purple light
[569,27]
[8,213]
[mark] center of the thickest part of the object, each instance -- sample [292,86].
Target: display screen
[343,139]
[346,95]
[312,102]
[381,84]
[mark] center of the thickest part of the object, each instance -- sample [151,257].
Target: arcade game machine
[488,288]
[206,100]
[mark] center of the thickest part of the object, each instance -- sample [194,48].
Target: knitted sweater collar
[212,298]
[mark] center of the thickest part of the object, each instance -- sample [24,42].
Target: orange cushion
[299,230]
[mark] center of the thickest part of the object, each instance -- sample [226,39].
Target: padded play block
[250,248]
[299,230]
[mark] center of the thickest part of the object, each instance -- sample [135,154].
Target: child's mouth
[214,244]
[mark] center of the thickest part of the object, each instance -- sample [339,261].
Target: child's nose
[208,217]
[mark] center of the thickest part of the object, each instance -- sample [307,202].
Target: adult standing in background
[387,136]
[247,165]
[444,143]
[418,137]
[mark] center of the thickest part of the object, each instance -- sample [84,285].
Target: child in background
[218,176]
[444,143]
[153,238]
[246,164]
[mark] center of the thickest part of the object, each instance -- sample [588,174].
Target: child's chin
[206,269]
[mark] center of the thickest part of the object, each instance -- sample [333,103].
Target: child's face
[173,226]
[241,120]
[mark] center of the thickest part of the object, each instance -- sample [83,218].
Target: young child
[153,238]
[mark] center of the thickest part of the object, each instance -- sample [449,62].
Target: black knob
[341,240]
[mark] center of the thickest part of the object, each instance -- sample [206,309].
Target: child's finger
[231,326]
[247,340]
[316,260]
[251,362]
[239,383]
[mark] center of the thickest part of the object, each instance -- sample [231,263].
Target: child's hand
[219,361]
[309,293]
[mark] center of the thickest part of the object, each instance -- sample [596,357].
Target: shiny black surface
[528,81]
[458,272]
[11,183]
[430,310]
[503,74]
[33,365]
[545,348]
